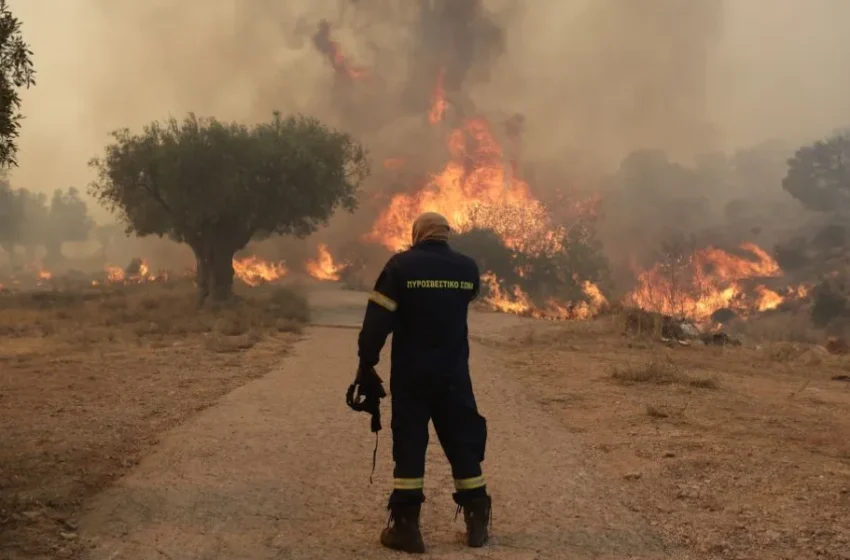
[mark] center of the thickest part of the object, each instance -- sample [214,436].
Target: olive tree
[67,219]
[216,186]
[16,71]
[819,175]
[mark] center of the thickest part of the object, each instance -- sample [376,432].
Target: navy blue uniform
[422,296]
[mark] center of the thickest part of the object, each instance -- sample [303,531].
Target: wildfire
[255,271]
[324,267]
[475,189]
[709,280]
[519,303]
[115,274]
[332,50]
[44,274]
[137,273]
[438,100]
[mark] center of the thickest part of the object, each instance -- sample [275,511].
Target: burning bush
[489,251]
[560,284]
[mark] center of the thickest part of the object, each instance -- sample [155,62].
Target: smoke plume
[589,81]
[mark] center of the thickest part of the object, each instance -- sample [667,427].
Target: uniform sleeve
[380,315]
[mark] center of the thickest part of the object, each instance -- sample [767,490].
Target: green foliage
[489,251]
[819,175]
[9,215]
[560,275]
[26,219]
[16,71]
[67,220]
[21,214]
[216,186]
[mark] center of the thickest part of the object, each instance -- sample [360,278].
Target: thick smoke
[459,40]
[592,79]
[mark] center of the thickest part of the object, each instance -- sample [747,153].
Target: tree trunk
[214,275]
[221,274]
[201,278]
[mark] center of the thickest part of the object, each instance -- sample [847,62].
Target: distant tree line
[30,220]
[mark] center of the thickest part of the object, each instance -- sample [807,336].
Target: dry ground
[602,445]
[729,452]
[89,379]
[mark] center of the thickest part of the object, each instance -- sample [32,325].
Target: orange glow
[519,303]
[475,189]
[254,271]
[324,267]
[709,280]
[118,275]
[333,52]
[438,100]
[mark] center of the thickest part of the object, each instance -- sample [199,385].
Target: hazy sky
[696,73]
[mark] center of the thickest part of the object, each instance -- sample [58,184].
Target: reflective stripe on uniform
[408,483]
[383,301]
[469,483]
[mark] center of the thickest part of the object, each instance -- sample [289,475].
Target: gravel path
[279,470]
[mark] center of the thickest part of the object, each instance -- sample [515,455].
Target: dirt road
[279,469]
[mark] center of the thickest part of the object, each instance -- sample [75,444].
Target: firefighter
[422,296]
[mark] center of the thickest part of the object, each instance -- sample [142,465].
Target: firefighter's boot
[402,532]
[476,514]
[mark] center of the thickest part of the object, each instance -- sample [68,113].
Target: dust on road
[280,467]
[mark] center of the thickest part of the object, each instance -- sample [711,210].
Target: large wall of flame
[594,79]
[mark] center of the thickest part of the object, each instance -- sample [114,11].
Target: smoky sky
[593,79]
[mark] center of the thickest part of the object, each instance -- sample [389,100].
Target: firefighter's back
[436,285]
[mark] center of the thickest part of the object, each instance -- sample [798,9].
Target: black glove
[365,394]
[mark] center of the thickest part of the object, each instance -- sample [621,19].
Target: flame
[480,189]
[516,301]
[438,100]
[115,274]
[44,274]
[324,267]
[709,280]
[255,271]
[767,299]
[474,189]
[118,275]
[800,291]
[332,50]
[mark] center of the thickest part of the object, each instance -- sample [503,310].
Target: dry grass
[92,375]
[660,372]
[146,314]
[779,327]
[759,469]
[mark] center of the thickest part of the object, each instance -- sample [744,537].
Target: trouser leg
[410,417]
[462,432]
